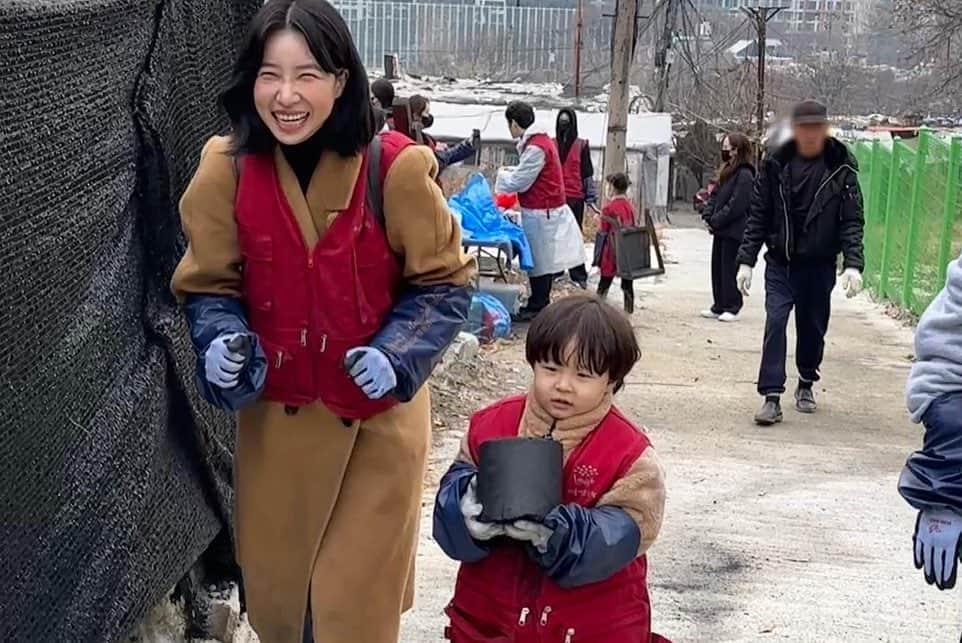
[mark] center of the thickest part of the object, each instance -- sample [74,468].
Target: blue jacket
[454,154]
[424,322]
[588,544]
[209,317]
[932,477]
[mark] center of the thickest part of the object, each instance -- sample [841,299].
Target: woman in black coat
[725,216]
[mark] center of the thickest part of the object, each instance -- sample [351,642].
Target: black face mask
[726,156]
[427,121]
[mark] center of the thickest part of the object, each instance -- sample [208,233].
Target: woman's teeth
[291,119]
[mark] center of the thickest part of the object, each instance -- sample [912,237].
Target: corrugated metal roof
[456,121]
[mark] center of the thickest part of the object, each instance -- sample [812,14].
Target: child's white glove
[471,509]
[533,532]
[938,541]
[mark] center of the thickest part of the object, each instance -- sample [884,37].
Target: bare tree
[934,29]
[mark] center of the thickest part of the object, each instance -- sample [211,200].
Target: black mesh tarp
[114,477]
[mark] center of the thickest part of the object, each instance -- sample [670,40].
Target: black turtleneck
[303,158]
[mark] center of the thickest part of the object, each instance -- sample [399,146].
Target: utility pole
[578,45]
[622,49]
[664,57]
[760,17]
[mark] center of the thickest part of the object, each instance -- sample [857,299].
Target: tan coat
[323,512]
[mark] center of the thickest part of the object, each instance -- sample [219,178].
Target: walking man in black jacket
[807,209]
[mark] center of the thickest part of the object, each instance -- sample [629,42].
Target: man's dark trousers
[540,295]
[806,286]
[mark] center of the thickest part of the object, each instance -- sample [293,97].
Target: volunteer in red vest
[579,574]
[549,224]
[578,173]
[321,285]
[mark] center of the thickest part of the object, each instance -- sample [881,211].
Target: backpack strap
[374,197]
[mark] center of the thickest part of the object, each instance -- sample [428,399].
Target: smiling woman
[323,280]
[298,62]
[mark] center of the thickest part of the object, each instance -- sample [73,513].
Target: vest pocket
[290,375]
[465,629]
[257,252]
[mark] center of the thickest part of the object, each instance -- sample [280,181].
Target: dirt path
[794,533]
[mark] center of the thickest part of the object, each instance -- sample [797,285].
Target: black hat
[809,112]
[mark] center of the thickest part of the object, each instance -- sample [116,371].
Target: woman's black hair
[350,126]
[619,181]
[521,113]
[566,135]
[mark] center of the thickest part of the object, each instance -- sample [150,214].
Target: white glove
[851,282]
[744,279]
[471,509]
[222,366]
[371,371]
[530,531]
[936,540]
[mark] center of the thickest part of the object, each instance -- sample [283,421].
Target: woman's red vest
[571,171]
[506,597]
[309,307]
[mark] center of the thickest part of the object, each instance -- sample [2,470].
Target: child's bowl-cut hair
[350,127]
[602,336]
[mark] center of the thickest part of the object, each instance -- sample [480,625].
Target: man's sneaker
[708,313]
[805,400]
[728,317]
[770,413]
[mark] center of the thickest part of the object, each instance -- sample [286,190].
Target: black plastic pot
[519,478]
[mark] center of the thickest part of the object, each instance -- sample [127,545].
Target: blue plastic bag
[482,220]
[488,319]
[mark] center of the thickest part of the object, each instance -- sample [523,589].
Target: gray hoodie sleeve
[938,347]
[932,476]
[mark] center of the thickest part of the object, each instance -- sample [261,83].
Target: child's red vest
[506,597]
[548,190]
[571,170]
[308,308]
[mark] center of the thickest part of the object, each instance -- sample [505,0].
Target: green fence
[913,215]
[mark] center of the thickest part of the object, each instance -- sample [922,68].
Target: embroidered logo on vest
[583,480]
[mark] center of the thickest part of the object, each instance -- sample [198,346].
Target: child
[580,576]
[931,480]
[619,209]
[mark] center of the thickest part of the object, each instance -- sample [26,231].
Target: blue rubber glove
[372,371]
[225,359]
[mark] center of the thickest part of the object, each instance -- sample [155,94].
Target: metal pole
[889,226]
[951,200]
[911,251]
[762,44]
[578,45]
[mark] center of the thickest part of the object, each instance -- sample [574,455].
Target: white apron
[555,240]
